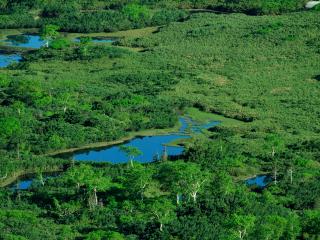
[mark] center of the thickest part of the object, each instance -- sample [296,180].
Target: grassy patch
[134,33]
[204,117]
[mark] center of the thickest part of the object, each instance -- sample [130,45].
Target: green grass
[244,67]
[133,33]
[124,35]
[254,74]
[205,117]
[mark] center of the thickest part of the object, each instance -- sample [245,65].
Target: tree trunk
[72,162]
[41,180]
[178,198]
[242,233]
[273,152]
[291,175]
[161,227]
[5,176]
[165,154]
[275,175]
[194,196]
[131,162]
[18,151]
[95,196]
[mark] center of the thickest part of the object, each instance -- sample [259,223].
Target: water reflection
[7,59]
[25,41]
[260,181]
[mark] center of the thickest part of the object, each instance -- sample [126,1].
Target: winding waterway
[151,147]
[7,59]
[33,41]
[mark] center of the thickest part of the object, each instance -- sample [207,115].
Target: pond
[7,59]
[22,184]
[35,41]
[98,40]
[25,41]
[151,147]
[28,180]
[260,181]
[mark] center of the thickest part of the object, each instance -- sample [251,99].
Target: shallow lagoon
[27,181]
[32,41]
[98,40]
[35,41]
[25,41]
[7,59]
[23,184]
[260,181]
[152,148]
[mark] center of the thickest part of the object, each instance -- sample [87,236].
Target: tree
[272,227]
[101,235]
[66,100]
[131,152]
[135,12]
[3,4]
[93,181]
[311,223]
[276,144]
[138,179]
[242,224]
[19,106]
[49,32]
[163,211]
[183,178]
[11,132]
[84,46]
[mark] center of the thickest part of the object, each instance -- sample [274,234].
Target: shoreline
[131,135]
[143,133]
[10,180]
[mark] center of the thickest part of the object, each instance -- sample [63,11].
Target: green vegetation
[258,75]
[99,15]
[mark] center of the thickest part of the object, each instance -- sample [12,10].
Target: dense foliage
[260,74]
[97,16]
[164,200]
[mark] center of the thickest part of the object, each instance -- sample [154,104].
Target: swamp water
[35,42]
[151,147]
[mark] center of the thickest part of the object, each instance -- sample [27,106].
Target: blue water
[259,181]
[152,147]
[6,60]
[184,124]
[23,184]
[191,126]
[210,125]
[26,182]
[103,40]
[25,40]
[98,40]
[35,41]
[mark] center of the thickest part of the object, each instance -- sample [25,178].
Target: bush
[18,20]
[166,16]
[60,43]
